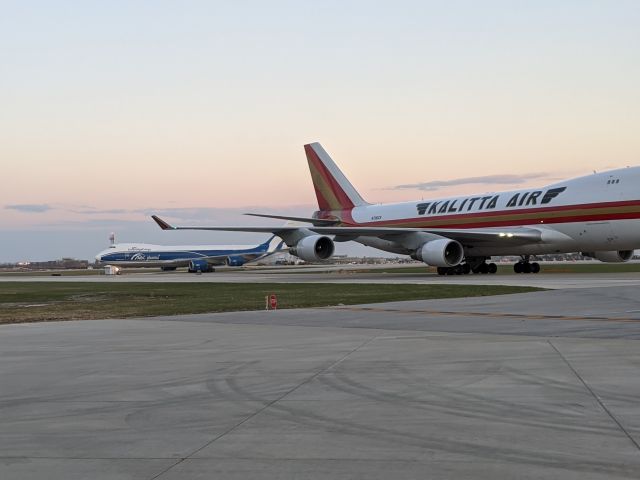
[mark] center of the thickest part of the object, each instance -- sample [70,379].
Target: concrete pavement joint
[44,457]
[268,405]
[595,395]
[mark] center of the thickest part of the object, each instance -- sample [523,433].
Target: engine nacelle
[314,248]
[198,265]
[613,256]
[440,253]
[235,261]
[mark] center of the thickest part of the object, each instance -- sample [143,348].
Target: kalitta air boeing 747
[597,214]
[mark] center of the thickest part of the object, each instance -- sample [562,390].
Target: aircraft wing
[508,235]
[318,222]
[247,256]
[221,259]
[275,230]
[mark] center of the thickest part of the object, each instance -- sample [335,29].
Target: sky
[198,110]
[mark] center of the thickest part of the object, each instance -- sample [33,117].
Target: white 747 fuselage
[592,213]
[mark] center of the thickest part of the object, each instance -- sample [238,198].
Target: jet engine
[199,266]
[613,256]
[314,248]
[236,261]
[440,253]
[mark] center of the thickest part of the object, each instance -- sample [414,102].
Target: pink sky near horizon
[269,176]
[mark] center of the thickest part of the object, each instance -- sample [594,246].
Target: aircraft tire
[493,268]
[535,267]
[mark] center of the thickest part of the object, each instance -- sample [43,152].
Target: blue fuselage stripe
[154,256]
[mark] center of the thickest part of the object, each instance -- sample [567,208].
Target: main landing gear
[524,266]
[462,269]
[485,267]
[466,268]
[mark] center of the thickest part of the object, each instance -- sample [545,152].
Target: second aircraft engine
[314,248]
[198,265]
[614,256]
[440,253]
[236,261]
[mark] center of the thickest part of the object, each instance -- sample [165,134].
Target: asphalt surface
[539,385]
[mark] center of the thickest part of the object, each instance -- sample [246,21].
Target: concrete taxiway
[538,385]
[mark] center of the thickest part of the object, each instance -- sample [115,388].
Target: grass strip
[48,301]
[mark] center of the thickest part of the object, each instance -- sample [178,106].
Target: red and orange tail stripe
[330,195]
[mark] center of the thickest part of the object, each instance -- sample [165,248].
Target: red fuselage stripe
[532,216]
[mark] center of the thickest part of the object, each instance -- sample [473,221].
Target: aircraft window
[618,181]
[608,182]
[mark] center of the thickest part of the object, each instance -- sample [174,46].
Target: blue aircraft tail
[274,244]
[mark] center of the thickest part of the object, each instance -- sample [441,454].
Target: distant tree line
[61,264]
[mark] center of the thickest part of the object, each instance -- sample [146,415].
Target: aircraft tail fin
[333,190]
[273,245]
